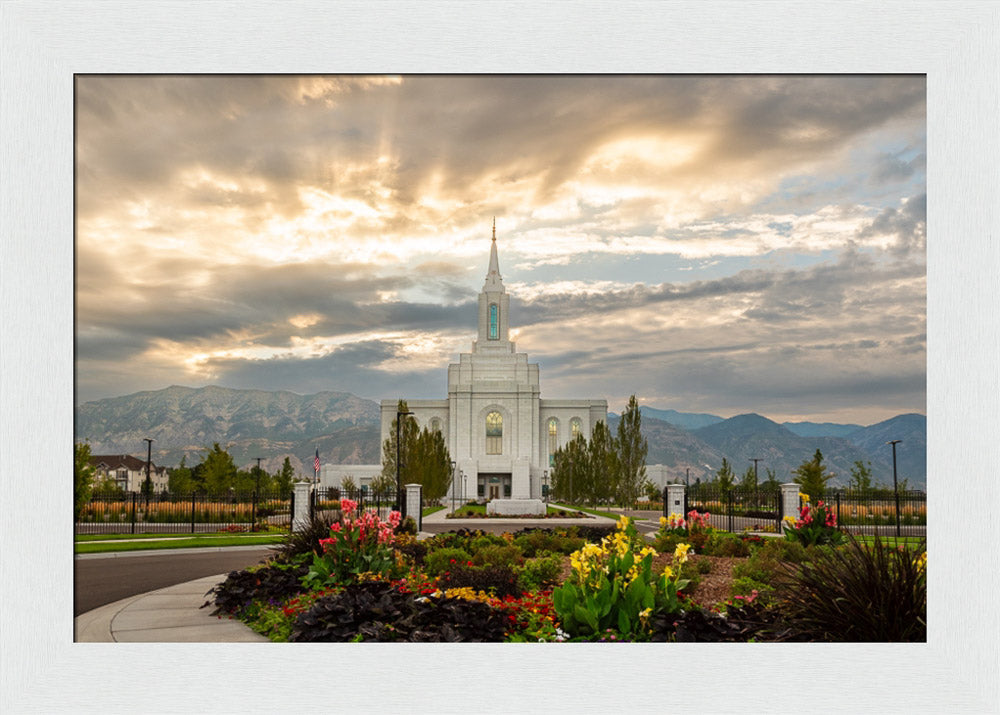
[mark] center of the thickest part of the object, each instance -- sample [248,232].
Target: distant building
[499,431]
[128,472]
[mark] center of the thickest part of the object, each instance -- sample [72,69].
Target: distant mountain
[248,423]
[820,429]
[749,436]
[684,420]
[675,448]
[911,452]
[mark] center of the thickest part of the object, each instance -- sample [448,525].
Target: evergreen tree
[568,469]
[771,483]
[408,432]
[632,450]
[725,477]
[384,485]
[348,485]
[283,479]
[220,470]
[811,476]
[749,479]
[83,477]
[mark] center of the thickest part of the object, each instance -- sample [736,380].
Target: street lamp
[148,486]
[755,480]
[895,485]
[256,487]
[399,483]
[454,486]
[465,484]
[545,481]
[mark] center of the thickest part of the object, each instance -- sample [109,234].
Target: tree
[429,465]
[602,465]
[180,481]
[384,485]
[83,477]
[568,469]
[771,483]
[749,479]
[283,479]
[632,450]
[408,432]
[347,484]
[220,470]
[861,476]
[725,477]
[811,476]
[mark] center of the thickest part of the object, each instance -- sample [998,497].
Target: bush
[498,556]
[703,566]
[746,586]
[858,593]
[445,559]
[499,581]
[376,611]
[535,541]
[722,543]
[765,563]
[540,572]
[306,542]
[241,588]
[485,540]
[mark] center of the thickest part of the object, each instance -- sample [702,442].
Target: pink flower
[335,527]
[394,518]
[348,506]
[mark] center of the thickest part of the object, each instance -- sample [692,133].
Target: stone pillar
[675,500]
[413,506]
[789,501]
[300,519]
[520,479]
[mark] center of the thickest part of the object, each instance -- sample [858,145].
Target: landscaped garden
[362,578]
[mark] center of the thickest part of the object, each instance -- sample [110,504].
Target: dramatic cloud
[712,243]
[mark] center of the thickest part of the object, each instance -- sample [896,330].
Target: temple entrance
[494,486]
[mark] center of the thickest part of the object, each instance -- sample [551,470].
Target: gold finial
[494,228]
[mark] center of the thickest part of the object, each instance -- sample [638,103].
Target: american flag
[316,461]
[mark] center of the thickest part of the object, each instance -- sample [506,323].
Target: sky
[720,244]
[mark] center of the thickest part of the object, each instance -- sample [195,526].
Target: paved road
[97,581]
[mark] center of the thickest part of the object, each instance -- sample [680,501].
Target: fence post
[729,510]
[789,500]
[253,511]
[675,495]
[134,496]
[414,504]
[193,497]
[838,509]
[301,504]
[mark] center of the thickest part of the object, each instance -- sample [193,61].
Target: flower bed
[365,581]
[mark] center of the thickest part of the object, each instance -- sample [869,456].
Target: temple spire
[494,269]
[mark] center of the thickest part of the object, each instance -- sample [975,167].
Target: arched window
[574,428]
[494,322]
[553,440]
[494,433]
[435,425]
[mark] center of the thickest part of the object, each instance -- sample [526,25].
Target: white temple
[501,434]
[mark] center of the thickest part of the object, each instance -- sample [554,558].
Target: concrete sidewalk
[168,615]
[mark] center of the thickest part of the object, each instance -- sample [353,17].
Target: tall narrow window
[494,322]
[553,440]
[574,428]
[494,433]
[435,425]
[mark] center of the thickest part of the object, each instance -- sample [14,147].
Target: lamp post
[755,480]
[399,483]
[895,484]
[148,486]
[454,485]
[256,486]
[687,477]
[545,482]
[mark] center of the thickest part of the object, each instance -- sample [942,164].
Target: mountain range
[184,422]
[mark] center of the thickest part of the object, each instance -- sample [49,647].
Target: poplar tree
[603,464]
[811,476]
[408,433]
[632,450]
[429,464]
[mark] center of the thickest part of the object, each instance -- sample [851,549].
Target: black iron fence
[880,511]
[738,508]
[327,499]
[135,513]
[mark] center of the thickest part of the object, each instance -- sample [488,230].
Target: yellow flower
[921,561]
[681,552]
[667,571]
[663,521]
[803,497]
[789,519]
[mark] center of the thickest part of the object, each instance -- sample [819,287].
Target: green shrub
[540,572]
[485,541]
[441,560]
[858,593]
[722,543]
[303,543]
[537,540]
[498,556]
[499,581]
[745,586]
[703,566]
[765,563]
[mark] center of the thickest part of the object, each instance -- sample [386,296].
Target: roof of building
[120,461]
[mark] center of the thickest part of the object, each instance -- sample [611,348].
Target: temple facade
[500,433]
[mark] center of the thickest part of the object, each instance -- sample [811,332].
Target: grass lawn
[909,541]
[595,512]
[152,541]
[431,509]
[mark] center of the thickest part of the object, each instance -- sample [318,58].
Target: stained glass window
[574,427]
[494,433]
[553,440]
[494,322]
